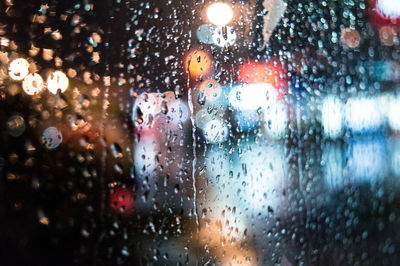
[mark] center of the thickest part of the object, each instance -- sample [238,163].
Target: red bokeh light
[121,200]
[264,72]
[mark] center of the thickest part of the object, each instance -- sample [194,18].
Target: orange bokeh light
[198,62]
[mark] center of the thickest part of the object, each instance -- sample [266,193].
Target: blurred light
[393,113]
[206,114]
[144,157]
[216,131]
[363,114]
[154,113]
[210,89]
[333,165]
[16,125]
[385,12]
[262,169]
[366,160]
[175,109]
[220,13]
[57,81]
[198,63]
[386,70]
[395,152]
[145,108]
[276,119]
[252,97]
[223,40]
[271,72]
[205,33]
[388,35]
[332,116]
[32,84]
[18,69]
[388,8]
[121,200]
[350,37]
[247,120]
[51,138]
[217,164]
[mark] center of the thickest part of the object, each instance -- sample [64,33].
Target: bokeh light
[18,69]
[366,160]
[16,125]
[362,114]
[57,81]
[216,131]
[220,13]
[350,37]
[270,72]
[205,33]
[332,116]
[198,63]
[388,8]
[51,138]
[32,84]
[121,200]
[252,96]
[222,39]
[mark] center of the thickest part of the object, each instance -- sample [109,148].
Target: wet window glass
[213,132]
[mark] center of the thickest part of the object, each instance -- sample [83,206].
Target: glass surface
[181,132]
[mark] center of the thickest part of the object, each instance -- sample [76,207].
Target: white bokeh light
[220,13]
[57,81]
[253,96]
[18,69]
[32,84]
[388,8]
[393,112]
[363,114]
[222,40]
[216,131]
[332,116]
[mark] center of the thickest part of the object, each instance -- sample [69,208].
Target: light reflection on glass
[224,36]
[18,69]
[388,8]
[366,160]
[333,164]
[363,114]
[332,116]
[220,13]
[32,84]
[57,81]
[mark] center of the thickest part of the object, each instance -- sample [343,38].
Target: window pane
[245,132]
